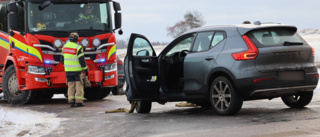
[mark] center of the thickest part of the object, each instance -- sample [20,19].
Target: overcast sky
[152,17]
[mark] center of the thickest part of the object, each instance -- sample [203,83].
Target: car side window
[202,42]
[217,38]
[141,47]
[185,44]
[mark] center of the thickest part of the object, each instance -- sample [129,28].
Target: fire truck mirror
[116,6]
[117,20]
[12,7]
[44,4]
[12,16]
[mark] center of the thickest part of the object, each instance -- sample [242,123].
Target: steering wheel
[183,53]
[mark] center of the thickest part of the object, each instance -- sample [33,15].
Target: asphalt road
[260,118]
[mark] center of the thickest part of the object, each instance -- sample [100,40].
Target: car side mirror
[143,52]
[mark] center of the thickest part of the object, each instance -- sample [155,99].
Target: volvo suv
[222,66]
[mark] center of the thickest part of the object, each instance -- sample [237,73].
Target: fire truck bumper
[58,80]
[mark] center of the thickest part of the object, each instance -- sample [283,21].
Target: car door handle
[145,60]
[209,58]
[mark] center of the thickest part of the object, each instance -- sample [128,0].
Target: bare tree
[194,19]
[121,44]
[191,20]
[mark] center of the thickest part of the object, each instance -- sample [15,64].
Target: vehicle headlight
[96,42]
[57,43]
[41,70]
[110,67]
[85,42]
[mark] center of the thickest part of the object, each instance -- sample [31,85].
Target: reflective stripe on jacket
[71,56]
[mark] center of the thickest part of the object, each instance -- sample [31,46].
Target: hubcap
[13,85]
[221,95]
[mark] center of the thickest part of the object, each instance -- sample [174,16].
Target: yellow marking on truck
[26,48]
[112,51]
[4,43]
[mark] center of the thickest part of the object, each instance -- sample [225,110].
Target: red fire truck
[32,35]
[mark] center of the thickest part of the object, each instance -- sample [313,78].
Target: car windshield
[275,37]
[57,17]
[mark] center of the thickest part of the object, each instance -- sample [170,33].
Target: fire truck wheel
[96,93]
[10,88]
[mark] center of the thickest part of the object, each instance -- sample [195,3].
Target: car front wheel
[223,97]
[299,100]
[143,106]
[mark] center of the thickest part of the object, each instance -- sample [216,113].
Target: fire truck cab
[32,35]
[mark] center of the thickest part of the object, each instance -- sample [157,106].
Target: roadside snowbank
[26,123]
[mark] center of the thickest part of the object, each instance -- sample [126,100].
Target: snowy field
[26,123]
[22,122]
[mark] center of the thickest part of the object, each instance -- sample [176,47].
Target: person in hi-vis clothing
[74,64]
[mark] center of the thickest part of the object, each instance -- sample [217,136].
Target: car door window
[185,44]
[202,42]
[218,37]
[141,47]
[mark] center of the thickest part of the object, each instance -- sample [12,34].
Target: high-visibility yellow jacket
[73,59]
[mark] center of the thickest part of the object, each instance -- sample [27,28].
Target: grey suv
[223,66]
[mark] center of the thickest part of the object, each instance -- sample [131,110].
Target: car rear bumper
[269,87]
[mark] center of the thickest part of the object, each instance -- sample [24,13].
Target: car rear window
[275,37]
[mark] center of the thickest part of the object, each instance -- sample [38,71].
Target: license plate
[291,75]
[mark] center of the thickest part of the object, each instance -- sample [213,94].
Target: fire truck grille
[56,57]
[92,56]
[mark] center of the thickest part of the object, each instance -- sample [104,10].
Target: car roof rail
[259,23]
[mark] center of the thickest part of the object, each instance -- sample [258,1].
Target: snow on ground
[26,123]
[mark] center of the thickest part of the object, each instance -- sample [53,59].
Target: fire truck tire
[10,88]
[96,93]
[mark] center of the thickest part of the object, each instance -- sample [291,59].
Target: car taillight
[250,54]
[261,79]
[312,50]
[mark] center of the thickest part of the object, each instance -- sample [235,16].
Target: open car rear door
[141,69]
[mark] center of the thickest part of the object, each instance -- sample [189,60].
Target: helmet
[88,6]
[73,37]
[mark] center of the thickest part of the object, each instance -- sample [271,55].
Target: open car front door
[141,69]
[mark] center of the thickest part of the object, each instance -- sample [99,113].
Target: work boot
[79,104]
[72,104]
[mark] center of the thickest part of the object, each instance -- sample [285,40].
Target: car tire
[96,93]
[299,100]
[223,97]
[10,88]
[143,106]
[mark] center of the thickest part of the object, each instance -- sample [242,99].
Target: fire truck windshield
[68,17]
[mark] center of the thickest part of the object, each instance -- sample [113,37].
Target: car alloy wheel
[223,97]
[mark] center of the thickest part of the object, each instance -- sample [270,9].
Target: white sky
[152,17]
